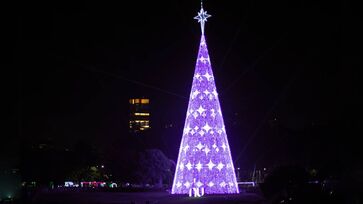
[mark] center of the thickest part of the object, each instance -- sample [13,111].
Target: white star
[203,59]
[213,114]
[196,128]
[192,132]
[187,184]
[224,128]
[211,97]
[206,92]
[214,145]
[195,94]
[215,93]
[197,75]
[224,147]
[199,146]
[178,184]
[187,129]
[207,127]
[217,149]
[211,132]
[201,132]
[210,165]
[181,166]
[189,166]
[198,166]
[195,115]
[206,150]
[210,184]
[208,76]
[204,114]
[202,18]
[220,166]
[201,97]
[201,110]
[186,148]
[199,184]
[190,112]
[223,184]
[230,184]
[219,131]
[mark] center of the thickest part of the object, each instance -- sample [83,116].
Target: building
[139,114]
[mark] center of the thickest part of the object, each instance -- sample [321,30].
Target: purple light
[204,160]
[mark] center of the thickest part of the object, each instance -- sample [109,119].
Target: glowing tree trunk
[204,160]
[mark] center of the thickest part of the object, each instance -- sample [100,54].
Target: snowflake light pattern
[204,159]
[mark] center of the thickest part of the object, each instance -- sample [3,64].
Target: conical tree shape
[204,159]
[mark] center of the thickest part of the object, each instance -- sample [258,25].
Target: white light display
[204,163]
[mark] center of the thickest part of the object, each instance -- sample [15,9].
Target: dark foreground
[140,197]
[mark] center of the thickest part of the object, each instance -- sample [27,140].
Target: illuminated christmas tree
[204,162]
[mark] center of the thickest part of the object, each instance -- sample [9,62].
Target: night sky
[282,71]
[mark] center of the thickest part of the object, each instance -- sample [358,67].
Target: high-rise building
[139,114]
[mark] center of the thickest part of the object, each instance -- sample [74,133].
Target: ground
[141,197]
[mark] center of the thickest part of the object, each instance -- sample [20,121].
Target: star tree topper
[202,17]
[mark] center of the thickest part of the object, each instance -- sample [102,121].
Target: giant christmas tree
[204,161]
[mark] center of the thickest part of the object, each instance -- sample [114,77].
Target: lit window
[142,114]
[141,121]
[144,101]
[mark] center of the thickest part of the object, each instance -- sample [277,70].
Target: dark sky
[78,62]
